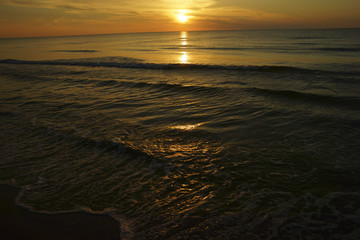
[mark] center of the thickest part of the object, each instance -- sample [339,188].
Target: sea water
[188,135]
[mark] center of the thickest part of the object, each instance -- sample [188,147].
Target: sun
[182,17]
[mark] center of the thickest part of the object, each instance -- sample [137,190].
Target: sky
[31,18]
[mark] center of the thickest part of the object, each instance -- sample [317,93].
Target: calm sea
[188,135]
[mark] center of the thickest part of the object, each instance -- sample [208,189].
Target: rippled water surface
[192,135]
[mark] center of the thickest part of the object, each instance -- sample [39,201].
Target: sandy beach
[19,223]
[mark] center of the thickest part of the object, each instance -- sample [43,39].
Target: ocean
[188,135]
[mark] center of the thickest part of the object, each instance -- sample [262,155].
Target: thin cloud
[112,5]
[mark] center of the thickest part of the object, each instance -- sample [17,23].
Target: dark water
[208,135]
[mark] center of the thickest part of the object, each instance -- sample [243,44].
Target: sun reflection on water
[184,162]
[184,35]
[187,127]
[183,39]
[189,167]
[184,58]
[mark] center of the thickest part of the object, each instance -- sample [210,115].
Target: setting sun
[182,17]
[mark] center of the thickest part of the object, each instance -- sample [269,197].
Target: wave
[155,86]
[332,99]
[104,145]
[70,136]
[137,64]
[209,48]
[255,48]
[310,37]
[339,49]
[338,101]
[75,51]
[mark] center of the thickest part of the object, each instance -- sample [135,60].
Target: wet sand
[19,223]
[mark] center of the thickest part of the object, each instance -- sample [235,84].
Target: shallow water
[198,135]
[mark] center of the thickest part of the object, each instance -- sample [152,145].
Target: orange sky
[65,17]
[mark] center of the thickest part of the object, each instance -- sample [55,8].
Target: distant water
[192,135]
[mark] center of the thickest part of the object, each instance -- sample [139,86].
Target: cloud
[76,8]
[23,3]
[239,18]
[204,8]
[102,16]
[188,4]
[113,6]
[211,13]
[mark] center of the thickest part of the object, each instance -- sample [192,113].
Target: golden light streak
[184,60]
[183,35]
[183,38]
[187,127]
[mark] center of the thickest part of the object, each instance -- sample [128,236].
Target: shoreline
[19,223]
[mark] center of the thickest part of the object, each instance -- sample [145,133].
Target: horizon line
[255,29]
